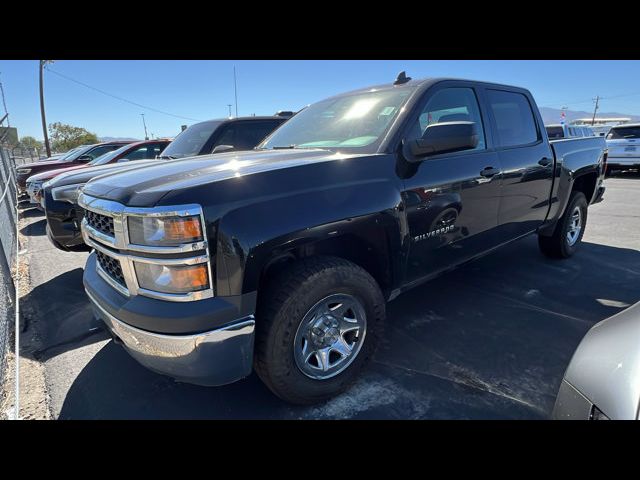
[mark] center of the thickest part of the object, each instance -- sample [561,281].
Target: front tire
[569,230]
[318,326]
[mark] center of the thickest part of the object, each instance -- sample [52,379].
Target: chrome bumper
[211,358]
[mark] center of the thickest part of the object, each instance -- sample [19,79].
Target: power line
[120,98]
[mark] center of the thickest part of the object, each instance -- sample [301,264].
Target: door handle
[545,162]
[489,172]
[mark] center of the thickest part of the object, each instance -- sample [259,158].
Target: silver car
[623,142]
[602,381]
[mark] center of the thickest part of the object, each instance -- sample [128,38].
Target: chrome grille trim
[119,248]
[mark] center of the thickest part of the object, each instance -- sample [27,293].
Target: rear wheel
[569,230]
[318,326]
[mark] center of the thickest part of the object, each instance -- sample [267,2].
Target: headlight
[68,193]
[172,279]
[165,231]
[24,171]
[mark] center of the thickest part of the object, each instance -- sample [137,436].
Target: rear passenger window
[514,118]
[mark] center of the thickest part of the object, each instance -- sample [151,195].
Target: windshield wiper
[166,157]
[282,147]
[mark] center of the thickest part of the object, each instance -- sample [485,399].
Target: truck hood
[71,177]
[46,175]
[147,187]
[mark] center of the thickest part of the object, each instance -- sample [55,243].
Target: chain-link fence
[8,251]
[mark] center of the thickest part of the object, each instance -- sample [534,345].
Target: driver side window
[451,105]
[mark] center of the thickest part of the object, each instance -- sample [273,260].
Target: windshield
[66,155]
[190,141]
[77,152]
[622,133]
[107,157]
[349,122]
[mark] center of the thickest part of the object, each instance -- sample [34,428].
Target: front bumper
[216,355]
[211,358]
[63,223]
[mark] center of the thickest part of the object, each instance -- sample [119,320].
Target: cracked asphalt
[490,340]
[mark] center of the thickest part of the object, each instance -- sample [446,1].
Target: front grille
[112,267]
[102,223]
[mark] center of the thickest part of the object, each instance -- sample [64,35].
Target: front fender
[248,237]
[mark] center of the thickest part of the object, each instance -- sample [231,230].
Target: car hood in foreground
[606,365]
[147,187]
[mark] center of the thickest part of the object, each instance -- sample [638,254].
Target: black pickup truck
[283,258]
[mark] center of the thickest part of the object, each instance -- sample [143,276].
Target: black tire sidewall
[577,199]
[281,360]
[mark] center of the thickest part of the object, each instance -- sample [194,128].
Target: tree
[30,142]
[65,137]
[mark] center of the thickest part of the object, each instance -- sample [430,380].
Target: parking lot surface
[490,340]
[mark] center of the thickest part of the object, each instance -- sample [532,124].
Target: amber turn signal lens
[181,229]
[172,278]
[191,278]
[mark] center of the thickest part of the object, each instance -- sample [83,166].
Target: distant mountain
[552,115]
[118,139]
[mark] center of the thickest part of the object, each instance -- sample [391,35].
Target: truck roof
[422,84]
[239,119]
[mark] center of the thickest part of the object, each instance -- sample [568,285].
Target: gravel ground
[489,340]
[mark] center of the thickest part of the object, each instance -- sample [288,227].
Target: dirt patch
[34,399]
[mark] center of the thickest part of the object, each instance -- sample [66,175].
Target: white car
[623,142]
[33,187]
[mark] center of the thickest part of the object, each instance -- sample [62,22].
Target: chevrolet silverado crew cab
[282,258]
[59,195]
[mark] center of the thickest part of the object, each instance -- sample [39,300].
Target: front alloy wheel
[330,336]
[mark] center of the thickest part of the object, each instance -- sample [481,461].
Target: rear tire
[300,293]
[566,237]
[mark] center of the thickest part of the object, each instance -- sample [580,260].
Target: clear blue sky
[201,90]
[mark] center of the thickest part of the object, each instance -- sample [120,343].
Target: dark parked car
[283,258]
[60,194]
[144,150]
[75,158]
[230,134]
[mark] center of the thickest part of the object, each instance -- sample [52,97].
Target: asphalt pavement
[490,340]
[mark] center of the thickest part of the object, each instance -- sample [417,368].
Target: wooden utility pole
[593,120]
[44,120]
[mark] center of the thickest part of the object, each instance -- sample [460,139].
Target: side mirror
[123,160]
[223,148]
[84,158]
[447,137]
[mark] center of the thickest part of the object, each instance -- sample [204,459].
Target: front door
[451,200]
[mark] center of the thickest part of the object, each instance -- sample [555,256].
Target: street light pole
[44,120]
[146,136]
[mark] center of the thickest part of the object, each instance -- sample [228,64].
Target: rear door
[451,200]
[526,159]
